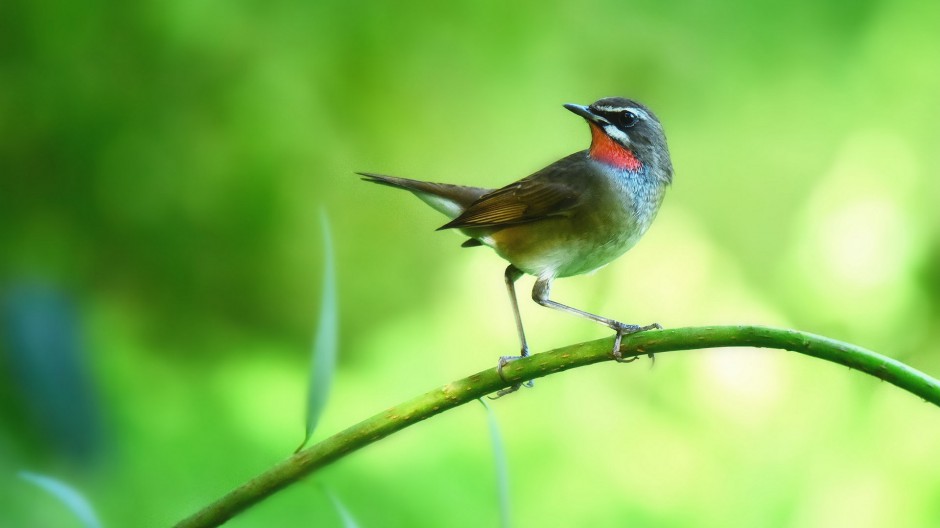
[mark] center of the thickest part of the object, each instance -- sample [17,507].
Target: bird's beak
[586,113]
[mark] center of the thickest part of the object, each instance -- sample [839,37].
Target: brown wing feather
[545,193]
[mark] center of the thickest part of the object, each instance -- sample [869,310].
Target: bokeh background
[163,165]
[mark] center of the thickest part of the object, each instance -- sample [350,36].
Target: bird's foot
[502,392]
[627,329]
[503,361]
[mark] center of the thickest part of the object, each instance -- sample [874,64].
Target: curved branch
[486,382]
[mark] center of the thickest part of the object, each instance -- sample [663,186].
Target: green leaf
[502,468]
[347,518]
[67,495]
[323,353]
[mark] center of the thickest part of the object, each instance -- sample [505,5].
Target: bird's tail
[451,200]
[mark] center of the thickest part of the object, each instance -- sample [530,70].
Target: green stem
[486,382]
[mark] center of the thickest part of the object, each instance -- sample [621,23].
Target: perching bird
[572,217]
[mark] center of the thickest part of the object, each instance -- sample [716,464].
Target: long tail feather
[451,200]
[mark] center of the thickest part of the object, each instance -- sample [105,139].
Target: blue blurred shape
[69,496]
[48,381]
[502,467]
[348,520]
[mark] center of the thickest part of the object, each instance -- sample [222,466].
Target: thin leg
[512,275]
[541,293]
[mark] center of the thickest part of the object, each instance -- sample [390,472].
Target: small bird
[572,217]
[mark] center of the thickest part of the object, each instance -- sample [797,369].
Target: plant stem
[486,382]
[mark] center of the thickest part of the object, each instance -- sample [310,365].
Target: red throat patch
[609,151]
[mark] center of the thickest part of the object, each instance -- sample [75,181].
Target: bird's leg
[512,275]
[541,293]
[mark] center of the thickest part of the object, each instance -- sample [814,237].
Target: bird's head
[626,135]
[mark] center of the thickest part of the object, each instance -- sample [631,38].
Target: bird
[572,217]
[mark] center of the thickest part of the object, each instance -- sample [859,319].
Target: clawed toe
[503,361]
[502,392]
[620,359]
[626,329]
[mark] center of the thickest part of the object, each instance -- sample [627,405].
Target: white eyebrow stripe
[617,134]
[638,111]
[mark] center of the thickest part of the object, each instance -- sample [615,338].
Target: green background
[163,165]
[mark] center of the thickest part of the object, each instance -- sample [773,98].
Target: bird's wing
[543,194]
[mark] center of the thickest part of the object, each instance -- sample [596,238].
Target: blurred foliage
[325,347]
[67,496]
[161,169]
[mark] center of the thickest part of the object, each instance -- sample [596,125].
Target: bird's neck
[606,150]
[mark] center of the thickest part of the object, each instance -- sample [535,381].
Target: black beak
[586,113]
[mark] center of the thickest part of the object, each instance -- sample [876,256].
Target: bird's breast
[614,210]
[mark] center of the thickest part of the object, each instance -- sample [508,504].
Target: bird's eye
[627,119]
